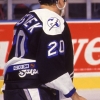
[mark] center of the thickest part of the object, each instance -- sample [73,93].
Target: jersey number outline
[56,48]
[20,44]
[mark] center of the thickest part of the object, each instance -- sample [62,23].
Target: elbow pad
[63,84]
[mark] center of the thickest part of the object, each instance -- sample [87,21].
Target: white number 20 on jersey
[55,48]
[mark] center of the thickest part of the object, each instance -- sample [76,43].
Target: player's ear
[59,3]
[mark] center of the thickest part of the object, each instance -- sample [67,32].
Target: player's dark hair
[47,2]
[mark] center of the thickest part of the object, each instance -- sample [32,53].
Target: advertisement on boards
[85,39]
[86,45]
[6,36]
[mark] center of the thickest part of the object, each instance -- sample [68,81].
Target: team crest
[53,23]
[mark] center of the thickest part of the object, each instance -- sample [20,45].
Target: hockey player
[40,65]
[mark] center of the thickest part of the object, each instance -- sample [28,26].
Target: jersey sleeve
[55,60]
[55,56]
[63,84]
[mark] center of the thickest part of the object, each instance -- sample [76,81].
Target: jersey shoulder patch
[53,24]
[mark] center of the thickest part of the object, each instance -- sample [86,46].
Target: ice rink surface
[89,94]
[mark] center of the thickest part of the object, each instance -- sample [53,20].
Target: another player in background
[40,65]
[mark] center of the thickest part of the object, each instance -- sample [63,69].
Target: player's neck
[51,7]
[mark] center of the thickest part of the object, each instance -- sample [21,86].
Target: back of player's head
[49,2]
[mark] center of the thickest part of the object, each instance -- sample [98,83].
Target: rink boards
[86,46]
[82,81]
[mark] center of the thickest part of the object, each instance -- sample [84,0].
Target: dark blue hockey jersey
[42,35]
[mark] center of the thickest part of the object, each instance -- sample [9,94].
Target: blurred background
[76,9]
